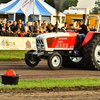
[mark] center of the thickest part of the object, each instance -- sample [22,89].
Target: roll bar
[93,16]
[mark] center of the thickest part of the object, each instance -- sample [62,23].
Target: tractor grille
[40,44]
[38,41]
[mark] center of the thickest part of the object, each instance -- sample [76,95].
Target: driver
[82,32]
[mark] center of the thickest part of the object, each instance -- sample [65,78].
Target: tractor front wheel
[55,61]
[30,60]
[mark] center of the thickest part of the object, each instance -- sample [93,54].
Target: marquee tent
[41,8]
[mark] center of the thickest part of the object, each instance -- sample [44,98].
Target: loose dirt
[42,71]
[70,95]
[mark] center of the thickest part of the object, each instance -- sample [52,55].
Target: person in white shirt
[27,31]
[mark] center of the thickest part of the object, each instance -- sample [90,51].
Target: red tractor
[60,50]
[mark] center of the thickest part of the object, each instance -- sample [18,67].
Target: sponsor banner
[17,43]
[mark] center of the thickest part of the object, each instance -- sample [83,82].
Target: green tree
[69,3]
[66,3]
[95,10]
[50,2]
[97,3]
[4,1]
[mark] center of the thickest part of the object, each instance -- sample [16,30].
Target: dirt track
[79,95]
[42,71]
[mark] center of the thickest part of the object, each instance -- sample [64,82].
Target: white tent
[43,11]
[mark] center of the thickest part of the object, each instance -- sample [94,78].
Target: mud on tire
[91,53]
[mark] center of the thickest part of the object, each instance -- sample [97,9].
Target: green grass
[12,54]
[56,83]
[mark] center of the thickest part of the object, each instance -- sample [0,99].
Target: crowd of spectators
[21,29]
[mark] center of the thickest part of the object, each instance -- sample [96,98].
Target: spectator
[47,26]
[20,30]
[14,28]
[20,22]
[23,23]
[32,26]
[0,27]
[95,28]
[65,27]
[50,28]
[56,29]
[3,30]
[7,22]
[27,30]
[10,23]
[92,29]
[36,29]
[77,25]
[39,25]
[8,30]
[43,28]
[44,22]
[29,26]
[70,27]
[88,27]
[39,22]
[42,25]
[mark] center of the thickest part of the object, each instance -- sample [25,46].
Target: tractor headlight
[42,47]
[38,47]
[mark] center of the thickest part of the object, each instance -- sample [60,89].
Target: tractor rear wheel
[91,53]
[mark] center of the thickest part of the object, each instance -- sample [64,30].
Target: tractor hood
[59,34]
[56,41]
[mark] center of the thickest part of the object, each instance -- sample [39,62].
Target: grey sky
[86,4]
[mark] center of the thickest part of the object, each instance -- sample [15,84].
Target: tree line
[96,9]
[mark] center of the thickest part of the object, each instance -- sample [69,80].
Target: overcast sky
[86,3]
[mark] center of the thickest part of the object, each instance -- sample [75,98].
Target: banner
[28,7]
[17,43]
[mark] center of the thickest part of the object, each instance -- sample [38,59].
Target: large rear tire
[91,53]
[31,62]
[55,61]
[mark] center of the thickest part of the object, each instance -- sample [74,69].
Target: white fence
[17,43]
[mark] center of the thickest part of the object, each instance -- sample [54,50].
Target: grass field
[12,54]
[56,83]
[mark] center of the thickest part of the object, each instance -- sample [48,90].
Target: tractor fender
[89,37]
